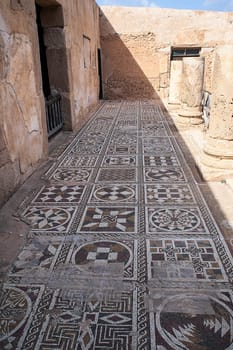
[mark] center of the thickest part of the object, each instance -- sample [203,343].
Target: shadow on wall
[123,77]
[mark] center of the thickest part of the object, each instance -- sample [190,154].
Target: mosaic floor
[123,251]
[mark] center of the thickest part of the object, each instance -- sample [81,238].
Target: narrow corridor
[123,252]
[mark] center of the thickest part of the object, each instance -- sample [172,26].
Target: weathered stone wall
[136,45]
[23,132]
[78,42]
[22,124]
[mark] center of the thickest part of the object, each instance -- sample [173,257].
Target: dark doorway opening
[54,116]
[101,95]
[43,58]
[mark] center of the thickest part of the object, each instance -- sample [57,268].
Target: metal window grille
[206,105]
[180,52]
[53,114]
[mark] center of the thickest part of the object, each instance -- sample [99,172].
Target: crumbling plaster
[22,124]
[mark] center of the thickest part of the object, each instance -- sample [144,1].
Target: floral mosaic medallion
[175,220]
[50,218]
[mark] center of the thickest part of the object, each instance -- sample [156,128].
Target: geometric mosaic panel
[99,324]
[86,257]
[123,138]
[170,220]
[64,319]
[103,219]
[50,218]
[60,194]
[119,161]
[16,306]
[71,175]
[122,149]
[111,263]
[152,130]
[121,174]
[160,161]
[186,259]
[157,145]
[88,148]
[106,257]
[78,161]
[35,255]
[168,194]
[164,174]
[114,193]
[195,320]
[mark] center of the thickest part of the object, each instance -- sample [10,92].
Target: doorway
[43,58]
[101,95]
[177,55]
[54,66]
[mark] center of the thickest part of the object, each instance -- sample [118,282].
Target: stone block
[52,16]
[163,80]
[54,37]
[175,82]
[66,111]
[163,62]
[192,81]
[58,69]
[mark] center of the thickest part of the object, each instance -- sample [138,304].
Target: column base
[173,108]
[218,154]
[190,116]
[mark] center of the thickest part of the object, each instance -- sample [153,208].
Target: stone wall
[23,132]
[136,45]
[76,43]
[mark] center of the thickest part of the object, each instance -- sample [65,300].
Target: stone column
[191,90]
[175,83]
[218,149]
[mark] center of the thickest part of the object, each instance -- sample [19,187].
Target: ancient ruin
[116,186]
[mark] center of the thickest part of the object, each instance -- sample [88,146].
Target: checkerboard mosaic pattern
[123,252]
